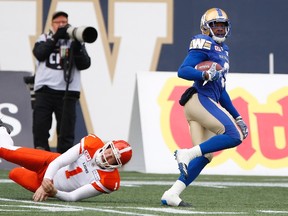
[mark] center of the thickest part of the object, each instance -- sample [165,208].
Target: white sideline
[208,184]
[61,208]
[48,207]
[201,184]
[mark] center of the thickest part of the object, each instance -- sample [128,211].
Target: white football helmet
[121,150]
[212,16]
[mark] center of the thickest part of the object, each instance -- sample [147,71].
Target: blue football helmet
[208,20]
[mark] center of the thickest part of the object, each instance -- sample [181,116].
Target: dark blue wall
[258,28]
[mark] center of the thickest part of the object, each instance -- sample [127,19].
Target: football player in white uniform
[88,169]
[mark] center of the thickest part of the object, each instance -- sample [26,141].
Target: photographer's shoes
[2,124]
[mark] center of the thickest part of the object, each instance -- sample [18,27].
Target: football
[205,65]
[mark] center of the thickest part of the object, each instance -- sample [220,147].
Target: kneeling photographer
[61,55]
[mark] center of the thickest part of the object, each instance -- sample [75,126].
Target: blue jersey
[204,48]
[213,120]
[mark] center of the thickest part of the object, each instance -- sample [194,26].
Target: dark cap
[59,13]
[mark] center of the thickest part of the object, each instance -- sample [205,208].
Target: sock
[177,188]
[194,152]
[194,169]
[217,143]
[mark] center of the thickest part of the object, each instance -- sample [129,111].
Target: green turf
[145,199]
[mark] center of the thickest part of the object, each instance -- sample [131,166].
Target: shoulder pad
[201,41]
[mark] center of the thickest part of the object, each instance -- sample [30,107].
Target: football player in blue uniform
[214,122]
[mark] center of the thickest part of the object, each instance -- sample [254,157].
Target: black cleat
[184,204]
[2,124]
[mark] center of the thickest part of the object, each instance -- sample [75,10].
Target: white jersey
[76,172]
[50,72]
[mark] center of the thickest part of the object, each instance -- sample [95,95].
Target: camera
[86,34]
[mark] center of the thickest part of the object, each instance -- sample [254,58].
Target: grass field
[140,195]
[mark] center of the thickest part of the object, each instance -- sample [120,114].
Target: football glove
[212,74]
[242,125]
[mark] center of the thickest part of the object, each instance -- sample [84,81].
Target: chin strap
[218,39]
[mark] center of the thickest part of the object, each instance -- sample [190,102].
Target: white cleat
[170,199]
[182,156]
[183,159]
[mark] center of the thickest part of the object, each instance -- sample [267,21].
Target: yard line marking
[208,184]
[6,181]
[65,208]
[180,211]
[273,212]
[200,183]
[45,206]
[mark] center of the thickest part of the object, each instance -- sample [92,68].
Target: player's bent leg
[201,123]
[26,178]
[32,159]
[214,144]
[194,169]
[218,143]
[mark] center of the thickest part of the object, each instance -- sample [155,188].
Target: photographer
[57,83]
